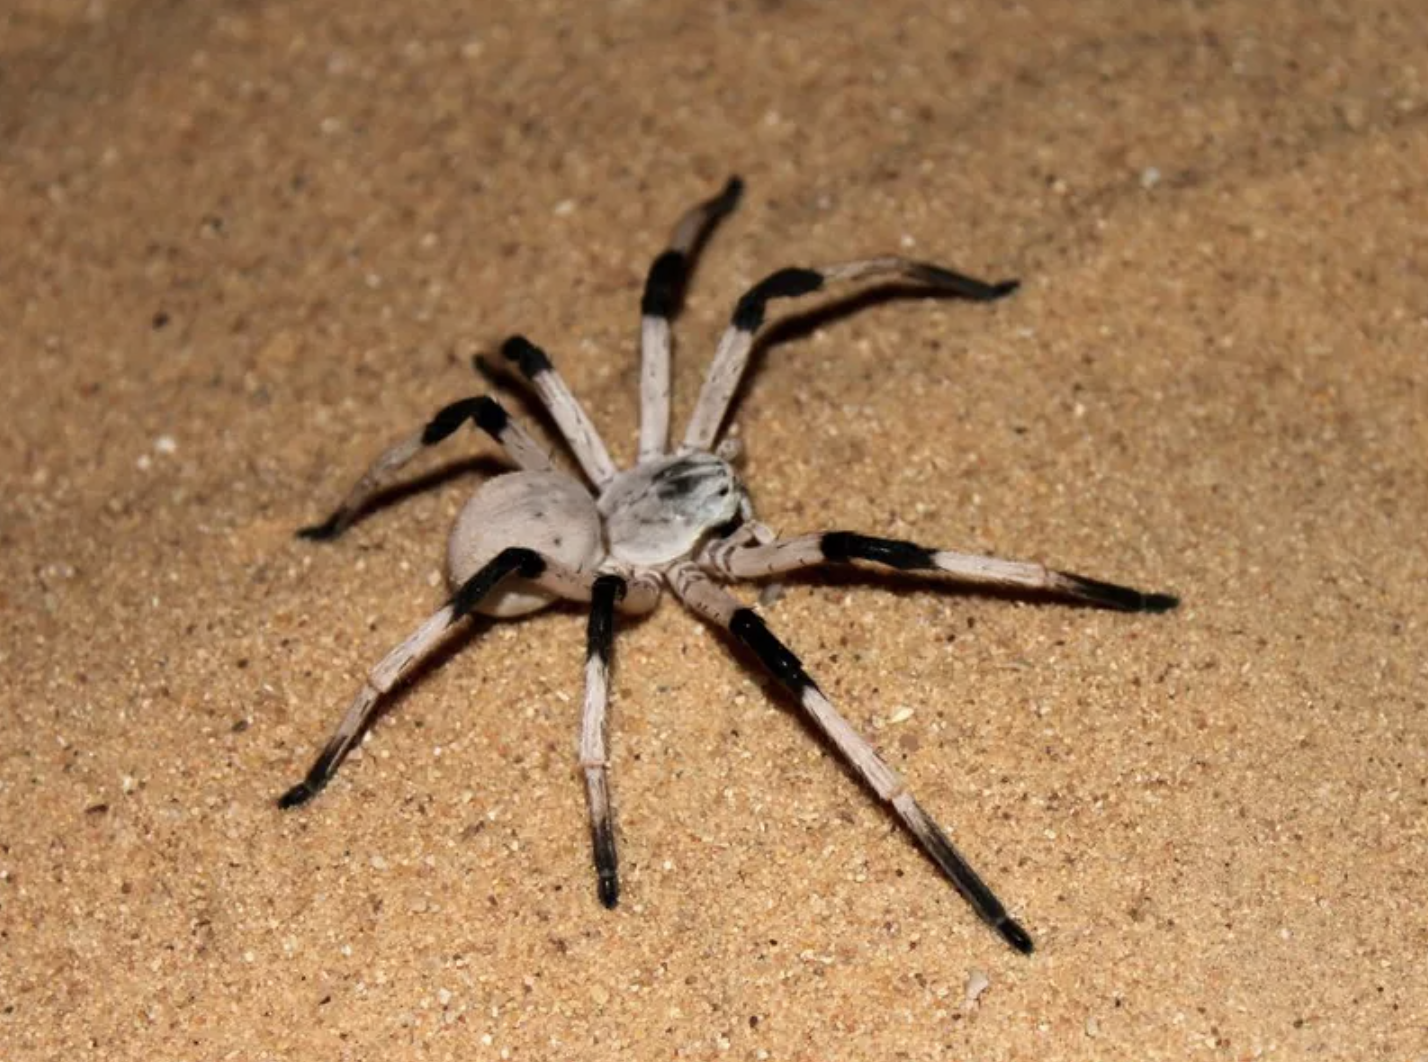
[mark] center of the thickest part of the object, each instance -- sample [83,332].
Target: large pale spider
[679,518]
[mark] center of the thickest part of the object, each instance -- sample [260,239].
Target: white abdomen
[545,511]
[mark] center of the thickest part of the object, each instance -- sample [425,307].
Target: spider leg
[594,755]
[565,410]
[732,356]
[485,412]
[637,594]
[525,563]
[664,291]
[715,604]
[741,560]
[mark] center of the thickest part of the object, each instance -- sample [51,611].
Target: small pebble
[977,983]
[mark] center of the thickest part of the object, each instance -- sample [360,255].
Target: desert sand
[245,246]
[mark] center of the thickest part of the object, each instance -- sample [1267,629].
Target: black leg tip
[1158,602]
[326,531]
[1014,935]
[1110,595]
[609,889]
[728,199]
[960,284]
[298,795]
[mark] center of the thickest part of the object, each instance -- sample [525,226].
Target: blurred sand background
[243,246]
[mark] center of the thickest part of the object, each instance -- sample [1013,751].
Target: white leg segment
[569,416]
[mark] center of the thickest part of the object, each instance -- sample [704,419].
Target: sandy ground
[244,246]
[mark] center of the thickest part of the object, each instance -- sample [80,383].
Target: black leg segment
[664,285]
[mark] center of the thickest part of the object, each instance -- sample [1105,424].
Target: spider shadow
[907,583]
[803,324]
[482,465]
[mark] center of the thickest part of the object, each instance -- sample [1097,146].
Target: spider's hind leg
[485,412]
[743,560]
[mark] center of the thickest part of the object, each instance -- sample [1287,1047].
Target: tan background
[243,246]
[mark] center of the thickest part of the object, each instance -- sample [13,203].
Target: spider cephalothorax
[678,518]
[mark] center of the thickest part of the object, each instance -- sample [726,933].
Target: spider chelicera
[679,518]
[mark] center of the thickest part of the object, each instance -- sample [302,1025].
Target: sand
[245,246]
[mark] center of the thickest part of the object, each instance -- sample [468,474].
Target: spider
[679,518]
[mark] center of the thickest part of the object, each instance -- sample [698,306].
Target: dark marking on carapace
[680,478]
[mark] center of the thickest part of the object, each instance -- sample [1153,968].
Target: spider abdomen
[544,511]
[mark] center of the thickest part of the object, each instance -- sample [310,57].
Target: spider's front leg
[664,291]
[731,357]
[711,601]
[526,563]
[746,560]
